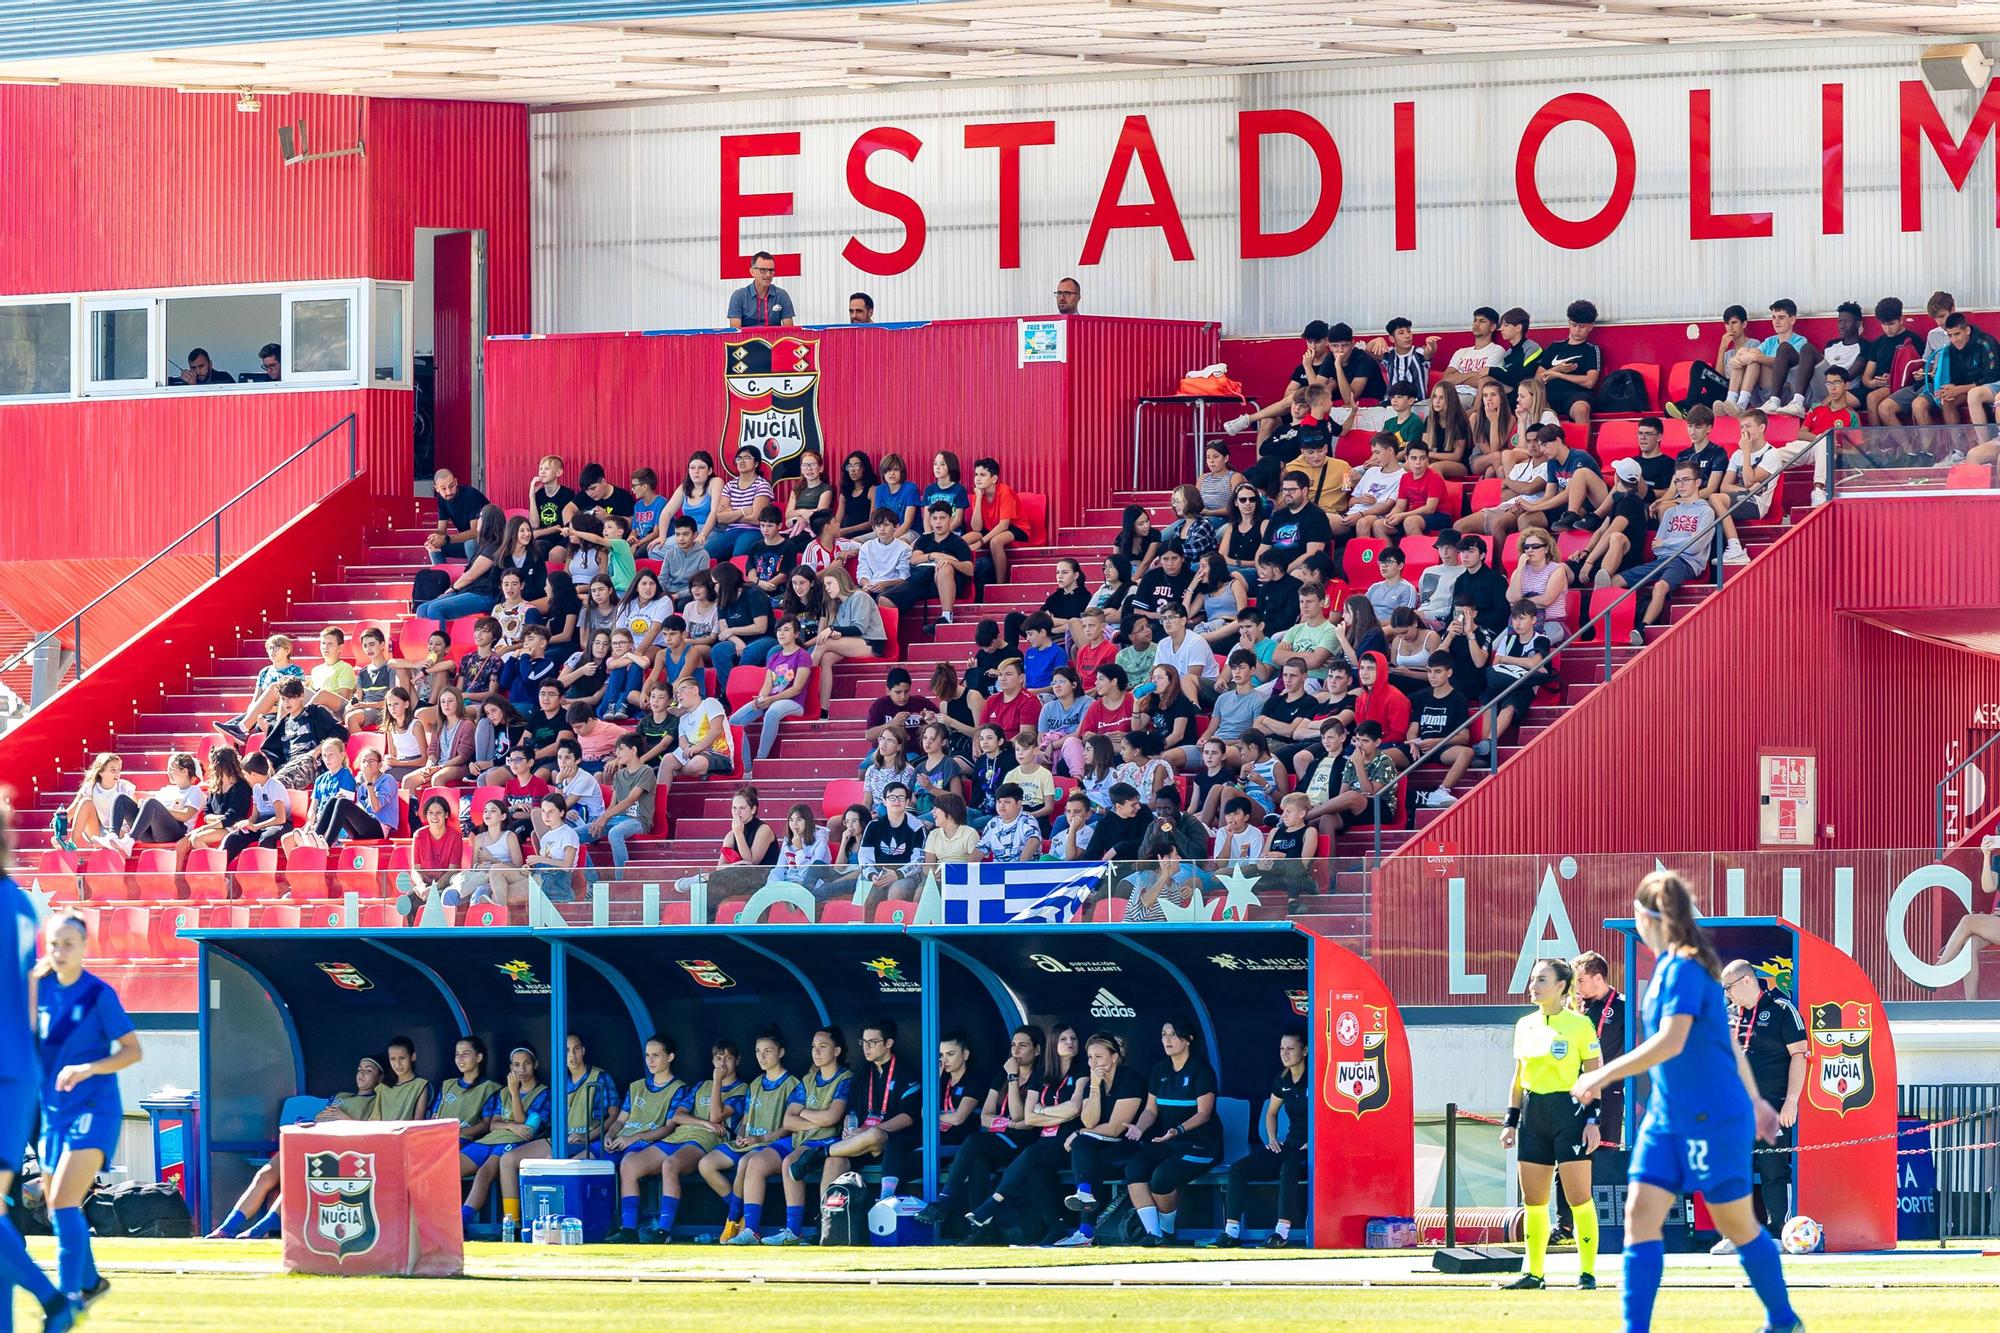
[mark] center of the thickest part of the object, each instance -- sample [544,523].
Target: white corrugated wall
[627,203]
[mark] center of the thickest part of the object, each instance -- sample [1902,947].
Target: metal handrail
[1489,708]
[347,423]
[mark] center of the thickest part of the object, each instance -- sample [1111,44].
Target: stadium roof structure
[576,52]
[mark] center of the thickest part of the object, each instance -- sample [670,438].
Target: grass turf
[718,1289]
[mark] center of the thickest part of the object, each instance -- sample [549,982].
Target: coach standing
[1773,1038]
[761,305]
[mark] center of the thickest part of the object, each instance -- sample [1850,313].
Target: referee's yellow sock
[1584,1215]
[1538,1237]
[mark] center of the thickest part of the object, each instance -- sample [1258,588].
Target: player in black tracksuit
[1282,1159]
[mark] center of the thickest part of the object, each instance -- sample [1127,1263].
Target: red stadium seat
[1616,440]
[356,869]
[785,914]
[841,793]
[1488,492]
[305,874]
[322,916]
[256,871]
[163,938]
[1033,509]
[56,874]
[381,916]
[892,633]
[1419,554]
[1107,909]
[728,910]
[648,565]
[1726,431]
[894,913]
[1678,377]
[809,700]
[742,685]
[104,874]
[150,876]
[462,641]
[485,914]
[122,932]
[1576,435]
[413,639]
[205,875]
[1673,435]
[361,741]
[841,911]
[1358,561]
[228,916]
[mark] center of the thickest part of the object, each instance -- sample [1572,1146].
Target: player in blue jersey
[1703,1115]
[20,1059]
[86,1039]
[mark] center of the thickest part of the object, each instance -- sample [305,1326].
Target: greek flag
[1046,892]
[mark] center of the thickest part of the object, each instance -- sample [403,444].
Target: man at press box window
[762,304]
[201,371]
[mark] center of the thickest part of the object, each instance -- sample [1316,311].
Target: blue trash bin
[176,1121]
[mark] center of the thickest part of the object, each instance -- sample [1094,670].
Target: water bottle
[572,1231]
[509,1230]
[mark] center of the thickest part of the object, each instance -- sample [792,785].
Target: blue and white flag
[1045,892]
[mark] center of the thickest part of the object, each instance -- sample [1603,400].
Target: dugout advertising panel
[1844,1172]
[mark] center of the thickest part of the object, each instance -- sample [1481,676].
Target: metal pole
[218,544]
[353,449]
[1450,1174]
[1138,415]
[76,633]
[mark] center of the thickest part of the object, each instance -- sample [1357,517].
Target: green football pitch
[240,1285]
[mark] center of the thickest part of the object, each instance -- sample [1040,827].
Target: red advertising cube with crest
[372,1200]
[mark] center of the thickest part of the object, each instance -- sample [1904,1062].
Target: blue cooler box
[585,1189]
[894,1222]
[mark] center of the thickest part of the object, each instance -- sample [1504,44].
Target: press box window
[121,348]
[233,330]
[319,337]
[35,357]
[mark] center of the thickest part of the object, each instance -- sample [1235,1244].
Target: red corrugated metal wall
[1114,363]
[628,400]
[1665,758]
[112,187]
[452,164]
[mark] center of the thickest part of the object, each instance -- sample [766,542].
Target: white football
[1802,1235]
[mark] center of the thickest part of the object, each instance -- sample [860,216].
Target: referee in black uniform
[1602,1003]
[1773,1037]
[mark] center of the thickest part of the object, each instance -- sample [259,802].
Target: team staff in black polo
[1604,1005]
[1773,1037]
[1282,1159]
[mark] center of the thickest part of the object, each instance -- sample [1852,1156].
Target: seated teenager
[1438,716]
[706,1117]
[260,1199]
[1279,1157]
[739,1168]
[1517,654]
[637,1127]
[1680,548]
[888,1128]
[520,1116]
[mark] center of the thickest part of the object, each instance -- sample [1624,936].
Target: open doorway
[448,333]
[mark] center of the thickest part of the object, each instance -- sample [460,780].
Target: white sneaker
[1795,408]
[744,1237]
[785,1237]
[1734,554]
[123,846]
[1954,458]
[1236,425]
[1073,1240]
[1818,496]
[1723,1246]
[1771,404]
[1439,799]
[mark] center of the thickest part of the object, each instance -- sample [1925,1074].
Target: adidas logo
[1106,1005]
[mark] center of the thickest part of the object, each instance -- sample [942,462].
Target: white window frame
[86,347]
[358,372]
[76,368]
[398,294]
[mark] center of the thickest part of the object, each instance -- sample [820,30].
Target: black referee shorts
[1552,1129]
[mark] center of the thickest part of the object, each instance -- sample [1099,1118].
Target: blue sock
[236,1221]
[1645,1261]
[753,1216]
[1765,1267]
[72,1248]
[1087,1228]
[16,1267]
[735,1207]
[795,1218]
[268,1225]
[467,1215]
[628,1212]
[669,1206]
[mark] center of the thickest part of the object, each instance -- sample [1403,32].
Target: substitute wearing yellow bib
[1553,1046]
